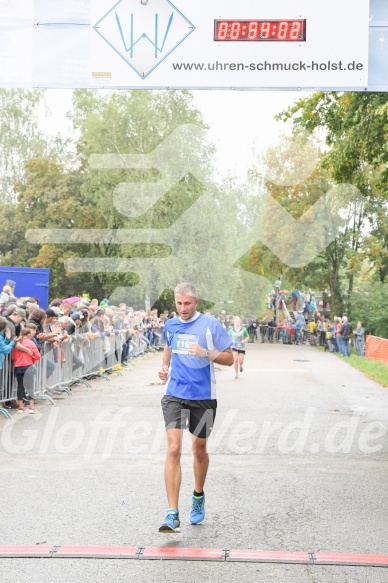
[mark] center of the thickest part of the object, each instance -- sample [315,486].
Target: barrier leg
[129,366]
[112,370]
[60,389]
[80,381]
[44,397]
[5,412]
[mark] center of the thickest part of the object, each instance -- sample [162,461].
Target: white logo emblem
[144,32]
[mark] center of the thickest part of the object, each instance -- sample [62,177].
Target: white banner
[249,44]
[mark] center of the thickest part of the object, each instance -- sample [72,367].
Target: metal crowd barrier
[73,362]
[138,344]
[161,342]
[8,386]
[83,358]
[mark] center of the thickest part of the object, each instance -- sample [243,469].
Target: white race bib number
[180,343]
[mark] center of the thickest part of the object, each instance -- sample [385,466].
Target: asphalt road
[298,463]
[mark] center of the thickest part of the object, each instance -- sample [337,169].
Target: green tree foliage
[297,190]
[47,197]
[369,301]
[20,136]
[131,123]
[355,127]
[80,200]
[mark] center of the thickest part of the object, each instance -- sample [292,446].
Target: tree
[292,174]
[90,227]
[121,124]
[103,239]
[20,136]
[355,127]
[47,197]
[369,300]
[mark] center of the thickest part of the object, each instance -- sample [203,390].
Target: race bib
[180,343]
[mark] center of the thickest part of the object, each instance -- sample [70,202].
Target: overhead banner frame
[223,44]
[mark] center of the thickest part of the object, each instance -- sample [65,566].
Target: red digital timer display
[260,30]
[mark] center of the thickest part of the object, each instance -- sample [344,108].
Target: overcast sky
[239,120]
[242,119]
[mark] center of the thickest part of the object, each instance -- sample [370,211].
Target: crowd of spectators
[334,335]
[304,301]
[306,326]
[309,325]
[75,320]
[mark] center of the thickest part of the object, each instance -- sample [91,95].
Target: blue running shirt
[192,377]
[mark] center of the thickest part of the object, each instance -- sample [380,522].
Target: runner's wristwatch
[207,353]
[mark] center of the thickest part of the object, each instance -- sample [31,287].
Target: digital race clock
[260,30]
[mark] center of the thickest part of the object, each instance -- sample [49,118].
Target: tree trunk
[333,263]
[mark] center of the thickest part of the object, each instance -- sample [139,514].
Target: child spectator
[338,326]
[331,337]
[33,327]
[295,294]
[321,328]
[306,330]
[24,369]
[5,297]
[312,326]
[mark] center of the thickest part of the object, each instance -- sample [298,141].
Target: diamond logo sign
[144,32]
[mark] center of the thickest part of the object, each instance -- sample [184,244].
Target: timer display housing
[260,30]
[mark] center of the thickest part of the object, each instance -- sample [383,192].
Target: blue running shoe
[171,523]
[197,514]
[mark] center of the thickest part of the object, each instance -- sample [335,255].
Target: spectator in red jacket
[24,369]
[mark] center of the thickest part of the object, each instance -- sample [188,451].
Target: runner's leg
[235,364]
[201,462]
[172,468]
[241,360]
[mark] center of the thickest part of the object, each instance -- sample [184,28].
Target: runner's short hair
[187,289]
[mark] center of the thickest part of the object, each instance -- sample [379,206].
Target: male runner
[193,343]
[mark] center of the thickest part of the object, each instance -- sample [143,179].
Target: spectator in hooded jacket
[346,333]
[359,335]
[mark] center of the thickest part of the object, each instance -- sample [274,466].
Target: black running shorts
[196,416]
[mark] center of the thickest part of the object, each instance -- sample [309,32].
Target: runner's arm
[225,357]
[163,372]
[246,337]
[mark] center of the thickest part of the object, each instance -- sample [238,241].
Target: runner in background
[240,336]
